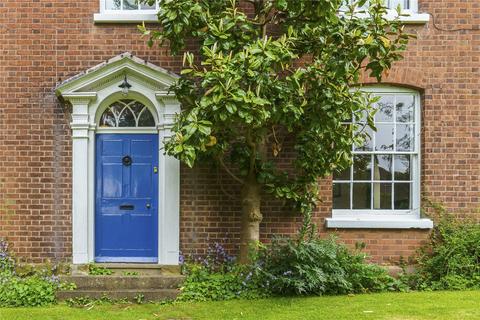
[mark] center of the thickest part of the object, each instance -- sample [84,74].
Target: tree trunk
[251,217]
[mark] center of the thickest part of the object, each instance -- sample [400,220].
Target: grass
[395,306]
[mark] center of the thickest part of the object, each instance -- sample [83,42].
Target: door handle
[148,205]
[127,207]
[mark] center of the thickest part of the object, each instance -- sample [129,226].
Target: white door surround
[90,93]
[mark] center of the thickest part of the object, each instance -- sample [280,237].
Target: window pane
[145,6]
[117,108]
[126,118]
[405,108]
[384,137]
[405,137]
[382,168]
[402,167]
[382,196]
[130,5]
[146,119]
[136,107]
[384,109]
[367,144]
[113,4]
[393,4]
[108,119]
[361,195]
[402,196]
[342,175]
[362,165]
[341,196]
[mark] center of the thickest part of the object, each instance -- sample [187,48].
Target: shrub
[316,266]
[203,285]
[31,291]
[451,258]
[295,267]
[36,289]
[217,277]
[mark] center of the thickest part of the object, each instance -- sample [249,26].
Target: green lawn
[396,306]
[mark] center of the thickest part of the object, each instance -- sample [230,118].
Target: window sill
[414,18]
[378,223]
[122,17]
[132,17]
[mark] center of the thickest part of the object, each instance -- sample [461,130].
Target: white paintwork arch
[90,93]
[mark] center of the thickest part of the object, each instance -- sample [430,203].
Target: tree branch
[222,188]
[224,166]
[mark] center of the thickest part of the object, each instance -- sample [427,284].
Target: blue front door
[126,215]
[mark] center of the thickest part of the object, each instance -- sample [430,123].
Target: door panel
[126,214]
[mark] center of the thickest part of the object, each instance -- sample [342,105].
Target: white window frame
[125,16]
[389,219]
[409,16]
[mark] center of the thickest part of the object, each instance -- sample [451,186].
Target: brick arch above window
[405,77]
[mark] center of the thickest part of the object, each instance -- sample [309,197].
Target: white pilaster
[169,211]
[80,136]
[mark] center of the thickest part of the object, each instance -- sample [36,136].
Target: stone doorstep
[114,282]
[153,282]
[148,294]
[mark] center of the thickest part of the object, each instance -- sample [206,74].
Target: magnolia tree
[257,73]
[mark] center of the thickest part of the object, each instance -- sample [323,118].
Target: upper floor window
[126,11]
[410,5]
[409,9]
[128,5]
[126,113]
[384,176]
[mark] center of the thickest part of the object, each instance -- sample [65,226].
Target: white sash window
[126,11]
[383,182]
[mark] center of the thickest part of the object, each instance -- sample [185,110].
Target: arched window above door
[126,113]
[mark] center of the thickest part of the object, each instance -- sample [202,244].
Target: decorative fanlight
[125,86]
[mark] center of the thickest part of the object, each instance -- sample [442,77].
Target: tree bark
[251,217]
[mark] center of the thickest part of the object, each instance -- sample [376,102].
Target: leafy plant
[32,289]
[7,262]
[217,259]
[289,267]
[96,270]
[270,78]
[203,285]
[216,276]
[451,258]
[316,266]
[139,298]
[130,273]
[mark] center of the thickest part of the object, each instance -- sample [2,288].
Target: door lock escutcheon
[155,170]
[127,161]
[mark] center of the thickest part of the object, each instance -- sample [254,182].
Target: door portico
[90,94]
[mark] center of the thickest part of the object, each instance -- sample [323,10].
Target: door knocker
[127,161]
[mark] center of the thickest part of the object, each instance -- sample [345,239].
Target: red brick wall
[42,42]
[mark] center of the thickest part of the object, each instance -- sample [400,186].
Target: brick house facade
[45,47]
